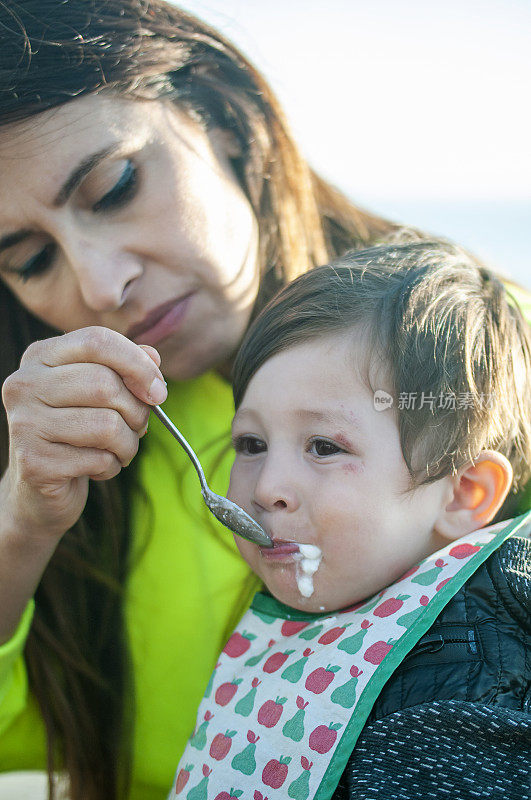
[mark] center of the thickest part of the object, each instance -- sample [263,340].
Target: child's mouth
[281,549]
[306,557]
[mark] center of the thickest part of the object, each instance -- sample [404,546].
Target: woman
[150,194]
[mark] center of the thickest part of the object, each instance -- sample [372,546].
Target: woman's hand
[76,410]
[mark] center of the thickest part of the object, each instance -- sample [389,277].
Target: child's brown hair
[457,349]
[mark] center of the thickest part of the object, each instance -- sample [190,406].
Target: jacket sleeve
[13,676]
[453,749]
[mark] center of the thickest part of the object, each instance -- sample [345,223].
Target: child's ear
[478,492]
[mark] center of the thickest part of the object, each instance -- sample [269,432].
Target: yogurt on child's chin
[307,562]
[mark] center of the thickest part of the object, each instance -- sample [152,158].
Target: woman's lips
[160,322]
[281,549]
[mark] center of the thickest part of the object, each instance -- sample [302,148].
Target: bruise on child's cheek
[353,468]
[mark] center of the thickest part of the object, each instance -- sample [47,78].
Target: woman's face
[127,214]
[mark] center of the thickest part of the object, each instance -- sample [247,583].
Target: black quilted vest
[454,720]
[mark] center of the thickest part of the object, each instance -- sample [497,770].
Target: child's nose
[275,488]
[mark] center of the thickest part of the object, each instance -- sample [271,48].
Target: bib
[291,691]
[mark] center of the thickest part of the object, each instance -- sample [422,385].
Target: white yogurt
[307,561]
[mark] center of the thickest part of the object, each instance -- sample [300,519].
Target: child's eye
[323,448]
[249,445]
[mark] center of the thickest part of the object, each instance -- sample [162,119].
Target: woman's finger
[97,428]
[84,385]
[59,464]
[97,345]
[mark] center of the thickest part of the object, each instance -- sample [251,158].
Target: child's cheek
[242,482]
[353,469]
[249,552]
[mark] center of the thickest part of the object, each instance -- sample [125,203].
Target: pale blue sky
[413,108]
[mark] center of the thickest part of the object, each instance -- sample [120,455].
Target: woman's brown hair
[51,52]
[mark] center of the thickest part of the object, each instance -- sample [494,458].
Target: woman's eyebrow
[68,187]
[11,239]
[77,175]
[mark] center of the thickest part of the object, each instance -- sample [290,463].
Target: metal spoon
[228,513]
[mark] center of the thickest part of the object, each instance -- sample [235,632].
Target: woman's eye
[324,447]
[249,445]
[123,190]
[38,264]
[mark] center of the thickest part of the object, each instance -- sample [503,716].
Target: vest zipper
[436,643]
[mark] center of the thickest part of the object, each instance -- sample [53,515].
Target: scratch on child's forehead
[350,415]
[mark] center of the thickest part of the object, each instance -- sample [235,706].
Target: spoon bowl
[228,513]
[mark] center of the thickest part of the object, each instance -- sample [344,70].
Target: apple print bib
[291,691]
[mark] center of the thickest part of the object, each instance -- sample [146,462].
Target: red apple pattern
[221,744]
[464,550]
[390,606]
[323,738]
[290,627]
[334,633]
[275,661]
[271,711]
[328,671]
[275,772]
[320,679]
[238,644]
[376,653]
[226,692]
[234,794]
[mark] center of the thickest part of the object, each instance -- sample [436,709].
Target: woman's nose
[104,277]
[275,488]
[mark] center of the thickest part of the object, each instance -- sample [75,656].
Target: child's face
[317,464]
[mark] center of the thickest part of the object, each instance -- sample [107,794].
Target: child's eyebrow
[349,418]
[244,412]
[335,417]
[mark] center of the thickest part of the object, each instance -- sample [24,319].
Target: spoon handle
[166,421]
